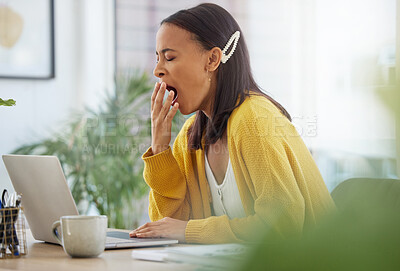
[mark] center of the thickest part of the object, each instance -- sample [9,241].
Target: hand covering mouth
[171,88]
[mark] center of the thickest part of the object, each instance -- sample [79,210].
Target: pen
[15,241]
[18,201]
[4,198]
[2,239]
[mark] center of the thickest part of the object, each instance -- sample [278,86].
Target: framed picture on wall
[27,39]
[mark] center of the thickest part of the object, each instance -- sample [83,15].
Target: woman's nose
[158,71]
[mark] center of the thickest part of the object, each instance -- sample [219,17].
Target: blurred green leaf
[359,237]
[9,102]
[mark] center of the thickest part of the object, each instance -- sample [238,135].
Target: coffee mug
[81,236]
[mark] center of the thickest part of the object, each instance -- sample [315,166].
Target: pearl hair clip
[234,38]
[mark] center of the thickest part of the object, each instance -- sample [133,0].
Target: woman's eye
[166,59]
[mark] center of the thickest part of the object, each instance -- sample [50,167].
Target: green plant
[100,152]
[9,102]
[357,238]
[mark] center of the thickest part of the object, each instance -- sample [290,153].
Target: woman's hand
[166,227]
[161,118]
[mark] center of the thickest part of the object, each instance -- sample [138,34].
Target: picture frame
[27,39]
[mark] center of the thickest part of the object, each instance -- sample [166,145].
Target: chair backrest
[367,193]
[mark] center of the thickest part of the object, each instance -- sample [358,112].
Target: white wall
[327,62]
[84,54]
[353,46]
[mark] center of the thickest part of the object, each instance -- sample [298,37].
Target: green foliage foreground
[359,237]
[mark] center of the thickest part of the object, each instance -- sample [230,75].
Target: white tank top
[225,197]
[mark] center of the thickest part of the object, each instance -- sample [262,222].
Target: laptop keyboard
[118,235]
[111,240]
[118,239]
[123,237]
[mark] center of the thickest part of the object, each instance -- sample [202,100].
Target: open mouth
[171,88]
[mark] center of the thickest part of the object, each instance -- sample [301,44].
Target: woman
[238,165]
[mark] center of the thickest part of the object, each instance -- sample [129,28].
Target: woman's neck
[207,106]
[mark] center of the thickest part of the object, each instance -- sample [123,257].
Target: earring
[209,78]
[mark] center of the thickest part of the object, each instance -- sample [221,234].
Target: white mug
[81,236]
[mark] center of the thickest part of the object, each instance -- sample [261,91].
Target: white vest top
[225,197]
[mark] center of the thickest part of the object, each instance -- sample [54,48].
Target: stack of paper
[208,255]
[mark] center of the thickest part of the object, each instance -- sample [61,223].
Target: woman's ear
[214,59]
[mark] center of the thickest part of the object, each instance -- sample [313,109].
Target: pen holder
[12,233]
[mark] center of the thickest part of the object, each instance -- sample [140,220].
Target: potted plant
[100,152]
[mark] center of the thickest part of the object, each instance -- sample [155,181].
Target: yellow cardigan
[280,186]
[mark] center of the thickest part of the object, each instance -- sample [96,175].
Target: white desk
[43,256]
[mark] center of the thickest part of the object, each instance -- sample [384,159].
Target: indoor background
[330,63]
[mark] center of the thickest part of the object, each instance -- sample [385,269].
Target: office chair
[366,193]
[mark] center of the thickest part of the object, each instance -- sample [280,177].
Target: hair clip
[234,38]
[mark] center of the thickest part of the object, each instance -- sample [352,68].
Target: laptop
[46,197]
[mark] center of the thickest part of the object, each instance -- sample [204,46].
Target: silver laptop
[46,197]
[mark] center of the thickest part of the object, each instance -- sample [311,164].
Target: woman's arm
[167,186]
[164,173]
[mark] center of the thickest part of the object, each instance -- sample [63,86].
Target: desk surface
[43,256]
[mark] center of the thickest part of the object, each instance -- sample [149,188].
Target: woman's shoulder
[256,105]
[257,114]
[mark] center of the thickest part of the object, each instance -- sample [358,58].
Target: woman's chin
[185,111]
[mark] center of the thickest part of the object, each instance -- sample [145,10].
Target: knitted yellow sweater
[280,186]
